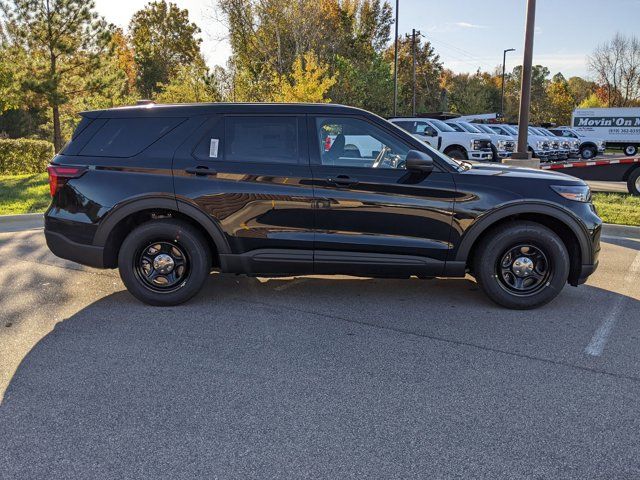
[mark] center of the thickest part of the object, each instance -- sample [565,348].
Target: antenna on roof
[145,102]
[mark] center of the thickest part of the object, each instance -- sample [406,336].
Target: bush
[22,155]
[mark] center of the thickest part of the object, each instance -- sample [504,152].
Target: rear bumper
[62,247]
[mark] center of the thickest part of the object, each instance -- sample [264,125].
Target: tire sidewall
[497,244]
[590,153]
[632,150]
[631,182]
[189,239]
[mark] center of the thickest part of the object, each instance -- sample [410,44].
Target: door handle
[200,171]
[342,181]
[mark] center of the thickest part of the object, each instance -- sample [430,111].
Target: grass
[30,194]
[618,208]
[24,193]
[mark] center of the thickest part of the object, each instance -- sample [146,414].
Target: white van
[618,127]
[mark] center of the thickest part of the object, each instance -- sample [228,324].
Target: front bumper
[480,155]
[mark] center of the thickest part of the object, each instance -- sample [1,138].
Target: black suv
[167,193]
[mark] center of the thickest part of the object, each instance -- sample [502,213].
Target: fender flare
[523,206]
[164,202]
[588,144]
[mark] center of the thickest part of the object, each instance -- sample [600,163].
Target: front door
[373,216]
[251,175]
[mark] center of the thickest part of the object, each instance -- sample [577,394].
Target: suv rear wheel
[521,265]
[164,262]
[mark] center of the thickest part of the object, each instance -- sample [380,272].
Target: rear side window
[126,137]
[261,139]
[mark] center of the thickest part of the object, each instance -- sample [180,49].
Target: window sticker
[213,148]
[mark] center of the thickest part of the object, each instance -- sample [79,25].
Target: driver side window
[353,142]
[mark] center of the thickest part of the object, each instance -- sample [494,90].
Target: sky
[467,34]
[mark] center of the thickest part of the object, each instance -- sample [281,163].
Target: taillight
[59,174]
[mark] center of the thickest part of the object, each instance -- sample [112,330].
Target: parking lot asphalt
[315,377]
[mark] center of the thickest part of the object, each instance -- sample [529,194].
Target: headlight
[540,144]
[601,143]
[501,145]
[475,145]
[578,193]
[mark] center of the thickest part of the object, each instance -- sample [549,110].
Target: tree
[309,81]
[616,65]
[163,40]
[471,93]
[267,36]
[539,82]
[581,89]
[560,101]
[65,41]
[190,84]
[428,71]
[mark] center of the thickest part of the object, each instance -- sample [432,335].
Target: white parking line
[599,339]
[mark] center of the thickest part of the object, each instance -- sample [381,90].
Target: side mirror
[418,161]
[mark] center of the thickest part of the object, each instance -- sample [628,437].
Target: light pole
[413,51]
[395,66]
[504,59]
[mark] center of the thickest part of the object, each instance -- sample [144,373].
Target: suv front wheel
[164,262]
[521,265]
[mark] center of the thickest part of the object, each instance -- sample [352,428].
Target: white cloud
[468,25]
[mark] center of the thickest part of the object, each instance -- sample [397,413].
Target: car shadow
[260,378]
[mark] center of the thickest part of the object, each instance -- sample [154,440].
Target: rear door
[251,175]
[373,216]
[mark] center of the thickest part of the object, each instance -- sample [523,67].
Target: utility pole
[413,49]
[504,59]
[522,156]
[395,66]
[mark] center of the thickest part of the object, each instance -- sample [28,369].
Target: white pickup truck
[589,146]
[539,146]
[502,145]
[459,145]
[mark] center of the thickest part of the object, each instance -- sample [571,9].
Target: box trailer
[618,127]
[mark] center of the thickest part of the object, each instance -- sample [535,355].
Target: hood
[469,135]
[484,169]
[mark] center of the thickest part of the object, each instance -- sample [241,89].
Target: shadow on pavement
[288,379]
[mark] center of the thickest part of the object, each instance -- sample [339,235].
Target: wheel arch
[630,171]
[127,215]
[573,234]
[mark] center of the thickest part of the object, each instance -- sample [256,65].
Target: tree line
[59,57]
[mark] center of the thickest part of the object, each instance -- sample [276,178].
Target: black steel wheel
[523,269]
[164,262]
[162,266]
[521,264]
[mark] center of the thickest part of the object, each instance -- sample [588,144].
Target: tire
[171,274]
[630,150]
[498,270]
[494,152]
[587,153]
[633,182]
[457,153]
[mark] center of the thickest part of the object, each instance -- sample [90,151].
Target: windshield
[469,128]
[485,129]
[440,125]
[510,129]
[533,131]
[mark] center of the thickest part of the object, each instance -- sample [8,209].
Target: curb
[625,231]
[21,217]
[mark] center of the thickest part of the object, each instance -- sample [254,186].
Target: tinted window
[126,137]
[261,139]
[440,125]
[353,142]
[456,127]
